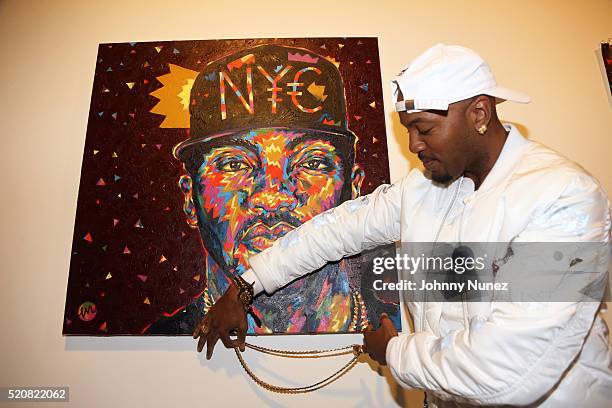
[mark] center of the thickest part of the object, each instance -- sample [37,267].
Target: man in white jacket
[484,182]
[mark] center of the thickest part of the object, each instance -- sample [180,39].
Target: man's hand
[226,317]
[375,341]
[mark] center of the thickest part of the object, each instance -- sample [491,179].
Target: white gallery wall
[47,57]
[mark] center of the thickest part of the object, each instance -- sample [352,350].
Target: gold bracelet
[246,293]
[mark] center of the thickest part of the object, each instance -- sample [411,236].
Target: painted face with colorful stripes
[261,184]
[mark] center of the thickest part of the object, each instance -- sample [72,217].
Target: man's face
[261,184]
[441,141]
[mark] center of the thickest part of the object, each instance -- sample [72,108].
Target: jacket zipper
[448,210]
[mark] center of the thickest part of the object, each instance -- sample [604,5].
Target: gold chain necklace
[354,349]
[359,319]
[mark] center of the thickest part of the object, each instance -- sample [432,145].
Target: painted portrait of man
[200,154]
[269,149]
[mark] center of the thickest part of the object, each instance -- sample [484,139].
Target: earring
[482,130]
[192,218]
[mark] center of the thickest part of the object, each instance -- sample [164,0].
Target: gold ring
[204,329]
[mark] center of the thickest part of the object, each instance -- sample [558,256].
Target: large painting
[198,155]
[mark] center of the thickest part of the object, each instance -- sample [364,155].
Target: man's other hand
[226,317]
[375,341]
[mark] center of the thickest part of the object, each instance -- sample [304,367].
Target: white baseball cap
[445,74]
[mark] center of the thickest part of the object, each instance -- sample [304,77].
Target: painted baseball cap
[266,86]
[445,74]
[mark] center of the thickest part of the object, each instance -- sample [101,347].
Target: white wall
[48,52]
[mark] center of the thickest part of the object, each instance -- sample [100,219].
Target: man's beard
[441,178]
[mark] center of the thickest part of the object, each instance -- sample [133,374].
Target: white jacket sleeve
[520,351]
[345,230]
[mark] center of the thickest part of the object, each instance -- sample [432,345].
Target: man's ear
[186,185]
[480,112]
[357,177]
